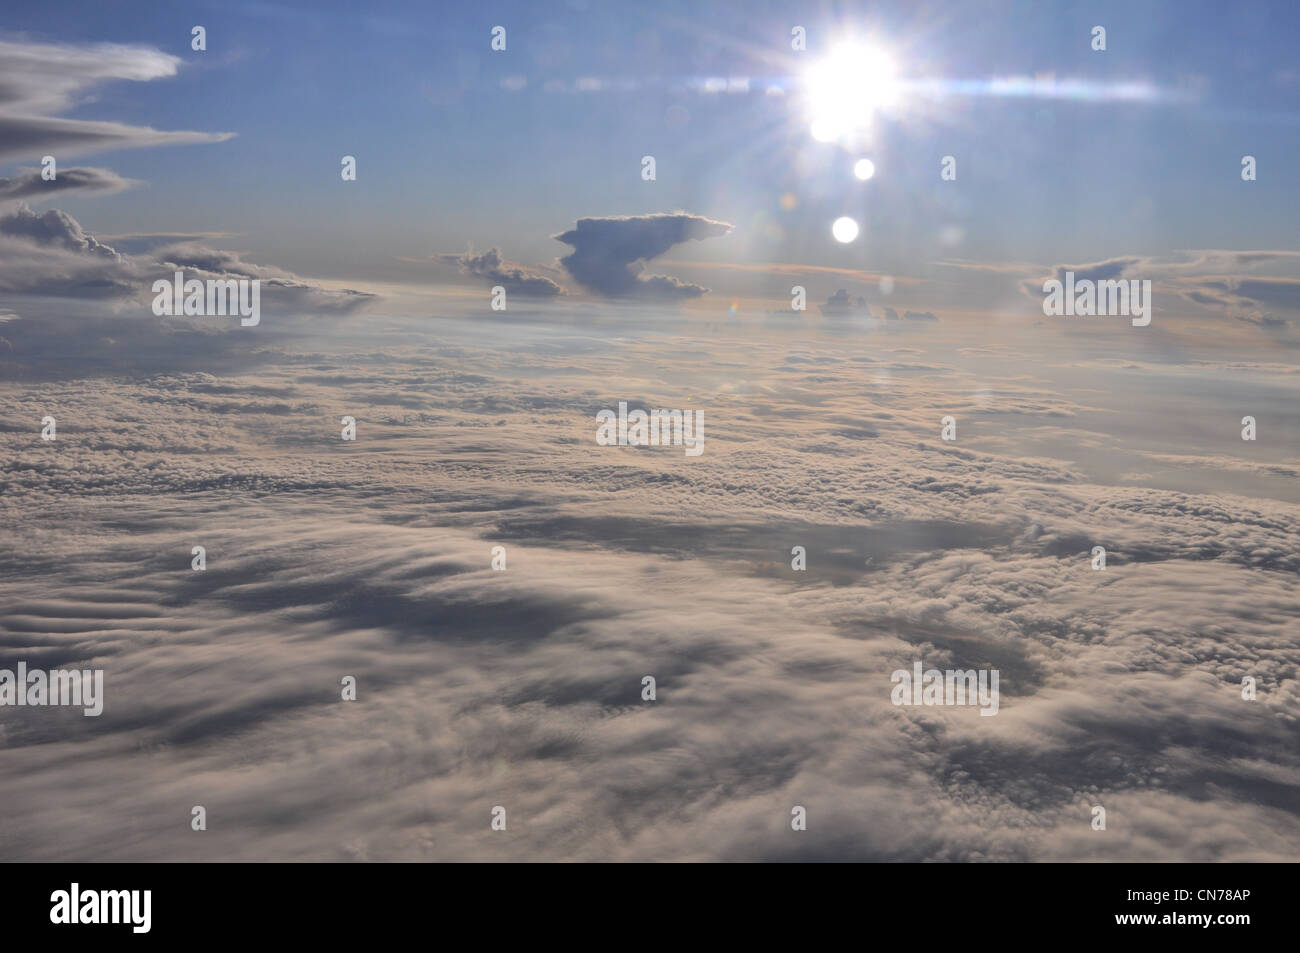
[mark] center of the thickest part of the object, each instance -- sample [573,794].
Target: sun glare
[845,89]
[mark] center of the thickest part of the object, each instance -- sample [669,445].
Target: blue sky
[448,157]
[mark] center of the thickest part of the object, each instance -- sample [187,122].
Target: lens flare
[844,229]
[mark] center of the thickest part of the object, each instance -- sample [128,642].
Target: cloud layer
[522,687]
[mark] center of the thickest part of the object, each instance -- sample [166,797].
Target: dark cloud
[842,304]
[517,280]
[609,253]
[920,316]
[28,184]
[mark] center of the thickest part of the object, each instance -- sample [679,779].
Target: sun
[847,88]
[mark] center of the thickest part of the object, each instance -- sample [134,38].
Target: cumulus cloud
[516,279]
[28,184]
[841,304]
[40,80]
[73,304]
[609,254]
[50,254]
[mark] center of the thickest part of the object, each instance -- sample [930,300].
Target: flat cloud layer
[522,688]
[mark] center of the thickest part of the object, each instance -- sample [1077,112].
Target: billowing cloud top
[608,253]
[50,255]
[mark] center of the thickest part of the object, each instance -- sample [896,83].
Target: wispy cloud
[29,184]
[40,80]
